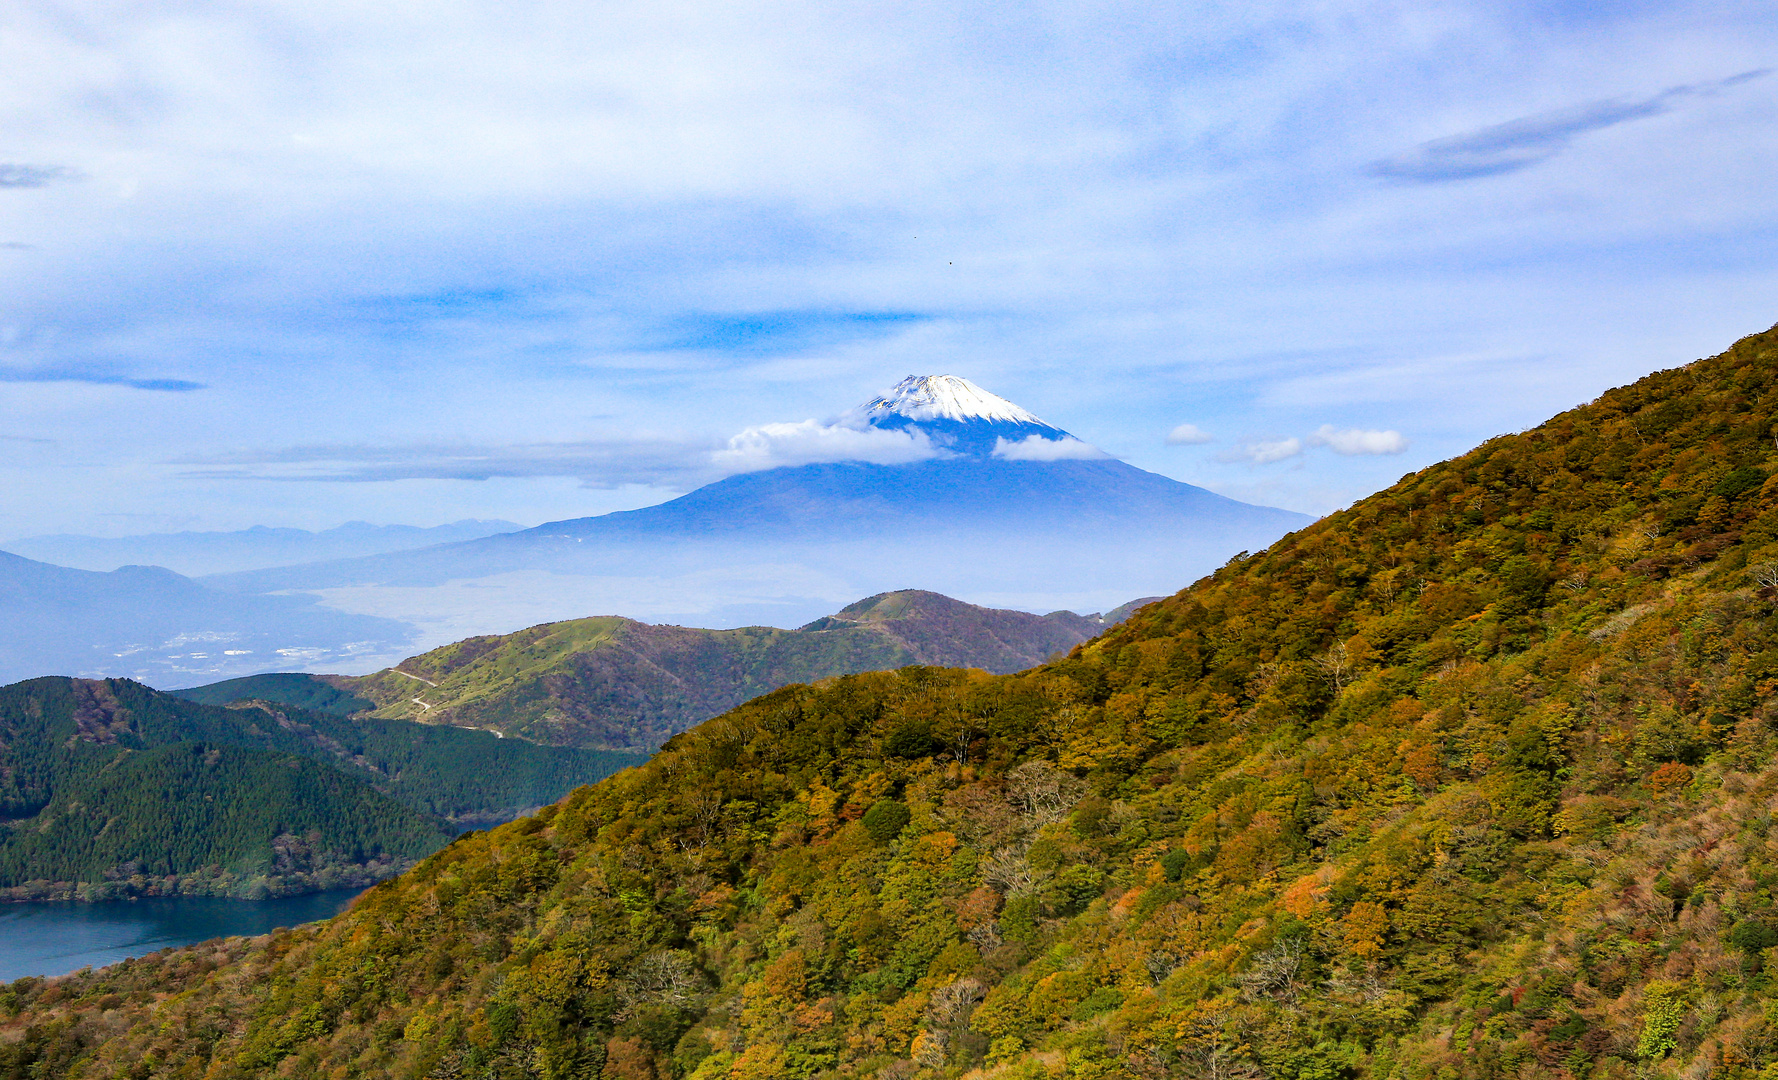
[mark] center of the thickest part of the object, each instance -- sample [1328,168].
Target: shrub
[885,820]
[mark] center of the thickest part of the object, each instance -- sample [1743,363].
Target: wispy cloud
[1263,451]
[603,464]
[97,377]
[677,464]
[1189,435]
[15,175]
[1530,140]
[1355,441]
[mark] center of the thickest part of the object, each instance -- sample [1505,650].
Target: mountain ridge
[613,683]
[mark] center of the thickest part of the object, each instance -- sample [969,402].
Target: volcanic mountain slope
[620,684]
[1001,509]
[1473,779]
[109,788]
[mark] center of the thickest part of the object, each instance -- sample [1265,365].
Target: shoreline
[208,882]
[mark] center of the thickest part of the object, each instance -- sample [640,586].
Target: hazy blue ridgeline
[198,553]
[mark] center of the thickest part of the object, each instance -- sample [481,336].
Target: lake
[54,939]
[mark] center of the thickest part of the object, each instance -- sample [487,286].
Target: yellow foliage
[1364,928]
[901,1019]
[785,976]
[823,803]
[761,1061]
[419,1027]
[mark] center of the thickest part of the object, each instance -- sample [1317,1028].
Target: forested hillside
[311,692]
[1474,779]
[203,818]
[111,788]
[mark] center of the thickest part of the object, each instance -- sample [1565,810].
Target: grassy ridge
[1474,779]
[621,684]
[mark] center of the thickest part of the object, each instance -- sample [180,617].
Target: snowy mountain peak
[945,397]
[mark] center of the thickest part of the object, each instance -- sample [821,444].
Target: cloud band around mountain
[808,442]
[1038,448]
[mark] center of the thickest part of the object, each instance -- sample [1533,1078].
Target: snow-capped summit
[946,397]
[962,418]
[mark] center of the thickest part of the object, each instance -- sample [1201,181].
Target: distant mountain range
[193,553]
[150,624]
[109,788]
[621,684]
[1000,509]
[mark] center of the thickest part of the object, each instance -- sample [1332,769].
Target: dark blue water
[54,939]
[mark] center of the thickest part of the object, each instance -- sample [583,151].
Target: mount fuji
[979,499]
[961,417]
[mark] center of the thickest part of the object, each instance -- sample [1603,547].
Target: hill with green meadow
[1473,779]
[619,684]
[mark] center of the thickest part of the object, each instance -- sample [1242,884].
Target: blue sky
[294,264]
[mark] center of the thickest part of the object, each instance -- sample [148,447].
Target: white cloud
[1038,448]
[1355,441]
[768,446]
[1263,451]
[1189,435]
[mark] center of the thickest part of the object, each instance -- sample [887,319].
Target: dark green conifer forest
[109,788]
